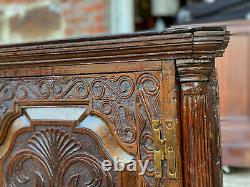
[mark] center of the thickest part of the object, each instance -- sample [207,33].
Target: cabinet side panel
[201,134]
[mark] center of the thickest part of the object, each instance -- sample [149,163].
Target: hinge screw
[157,172]
[171,171]
[169,125]
[170,149]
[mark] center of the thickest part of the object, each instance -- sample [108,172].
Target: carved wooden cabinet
[66,106]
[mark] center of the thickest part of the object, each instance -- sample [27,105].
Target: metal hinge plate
[165,148]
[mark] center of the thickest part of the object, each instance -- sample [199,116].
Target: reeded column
[200,113]
[200,110]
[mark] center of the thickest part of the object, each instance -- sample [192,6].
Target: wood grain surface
[68,105]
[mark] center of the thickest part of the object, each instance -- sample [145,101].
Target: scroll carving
[149,108]
[114,97]
[127,101]
[111,96]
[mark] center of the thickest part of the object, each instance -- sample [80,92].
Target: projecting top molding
[182,42]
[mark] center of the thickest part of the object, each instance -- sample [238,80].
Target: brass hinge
[165,148]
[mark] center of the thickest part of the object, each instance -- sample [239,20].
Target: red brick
[88,8]
[70,31]
[99,29]
[72,1]
[19,1]
[100,6]
[77,1]
[80,17]
[76,20]
[68,13]
[86,31]
[99,18]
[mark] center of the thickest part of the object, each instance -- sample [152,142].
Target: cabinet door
[57,131]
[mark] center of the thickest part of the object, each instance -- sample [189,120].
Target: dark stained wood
[65,106]
[200,127]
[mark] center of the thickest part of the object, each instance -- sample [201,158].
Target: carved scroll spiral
[6,91]
[77,88]
[6,94]
[106,92]
[148,93]
[149,108]
[121,87]
[124,87]
[123,117]
[56,152]
[149,84]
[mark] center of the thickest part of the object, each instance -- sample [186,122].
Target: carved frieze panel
[127,102]
[113,96]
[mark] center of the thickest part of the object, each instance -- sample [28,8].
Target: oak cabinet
[66,106]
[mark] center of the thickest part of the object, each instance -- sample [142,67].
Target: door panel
[56,131]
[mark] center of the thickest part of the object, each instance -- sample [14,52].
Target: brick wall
[34,20]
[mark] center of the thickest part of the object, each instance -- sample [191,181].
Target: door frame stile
[170,120]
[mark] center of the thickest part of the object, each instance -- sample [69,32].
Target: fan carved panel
[54,154]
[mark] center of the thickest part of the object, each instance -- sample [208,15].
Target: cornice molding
[194,70]
[183,42]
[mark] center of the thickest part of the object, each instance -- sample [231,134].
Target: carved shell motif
[57,152]
[54,146]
